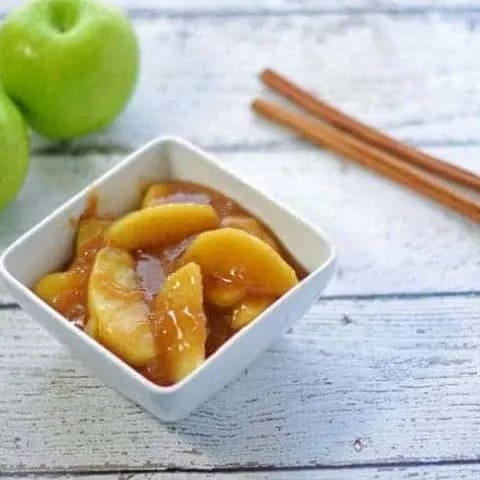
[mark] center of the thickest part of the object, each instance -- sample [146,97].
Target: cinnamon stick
[369,156]
[372,136]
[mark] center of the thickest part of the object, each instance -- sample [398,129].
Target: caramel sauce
[74,303]
[187,192]
[219,330]
[151,273]
[179,326]
[91,209]
[154,265]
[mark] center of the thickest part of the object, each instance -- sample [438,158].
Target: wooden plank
[389,239]
[443,472]
[354,382]
[272,6]
[418,77]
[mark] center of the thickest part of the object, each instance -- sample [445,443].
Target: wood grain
[389,239]
[418,78]
[392,381]
[354,382]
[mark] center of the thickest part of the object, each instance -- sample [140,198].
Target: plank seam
[401,295]
[360,297]
[82,471]
[293,144]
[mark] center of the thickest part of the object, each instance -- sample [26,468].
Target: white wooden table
[381,378]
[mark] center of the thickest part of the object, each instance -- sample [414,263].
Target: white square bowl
[48,246]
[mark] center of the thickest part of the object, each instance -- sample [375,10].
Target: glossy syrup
[154,265]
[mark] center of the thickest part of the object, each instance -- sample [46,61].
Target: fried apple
[248,310]
[57,288]
[117,308]
[179,325]
[88,229]
[251,226]
[155,193]
[161,225]
[237,257]
[223,295]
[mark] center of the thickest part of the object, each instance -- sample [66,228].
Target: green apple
[70,65]
[13,150]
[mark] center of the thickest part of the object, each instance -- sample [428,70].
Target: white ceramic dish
[49,245]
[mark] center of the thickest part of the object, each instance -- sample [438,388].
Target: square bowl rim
[104,178]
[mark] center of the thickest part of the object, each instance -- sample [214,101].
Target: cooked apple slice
[91,326]
[161,225]
[67,291]
[222,294]
[155,193]
[251,226]
[248,310]
[88,229]
[116,305]
[179,325]
[237,257]
[57,289]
